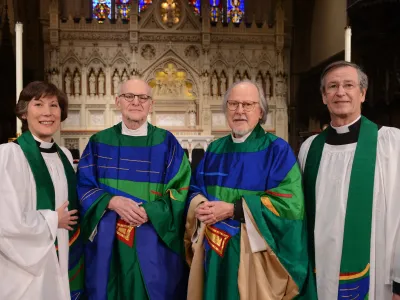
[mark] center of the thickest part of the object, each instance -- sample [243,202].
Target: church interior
[190,52]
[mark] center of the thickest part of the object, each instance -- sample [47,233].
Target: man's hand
[66,218]
[203,212]
[396,297]
[128,210]
[214,211]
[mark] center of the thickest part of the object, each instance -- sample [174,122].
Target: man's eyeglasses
[130,97]
[333,87]
[247,106]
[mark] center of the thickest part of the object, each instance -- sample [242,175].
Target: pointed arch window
[196,6]
[235,10]
[216,11]
[102,10]
[122,9]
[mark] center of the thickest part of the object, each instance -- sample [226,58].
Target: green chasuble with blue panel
[124,262]
[263,173]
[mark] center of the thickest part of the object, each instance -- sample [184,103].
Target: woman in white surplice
[30,266]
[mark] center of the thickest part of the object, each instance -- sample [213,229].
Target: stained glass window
[216,10]
[170,12]
[235,10]
[122,9]
[143,4]
[101,10]
[196,6]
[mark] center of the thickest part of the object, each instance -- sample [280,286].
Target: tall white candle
[347,44]
[18,56]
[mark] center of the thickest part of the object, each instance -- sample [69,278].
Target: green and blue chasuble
[263,171]
[45,198]
[121,261]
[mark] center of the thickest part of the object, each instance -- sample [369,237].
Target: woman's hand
[66,218]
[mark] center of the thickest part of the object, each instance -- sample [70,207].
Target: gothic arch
[171,57]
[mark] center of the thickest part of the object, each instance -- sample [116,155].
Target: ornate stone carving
[214,85]
[73,120]
[71,143]
[97,118]
[77,84]
[148,52]
[101,84]
[67,82]
[262,39]
[218,120]
[171,83]
[94,36]
[169,119]
[92,84]
[190,38]
[116,80]
[54,78]
[206,84]
[192,52]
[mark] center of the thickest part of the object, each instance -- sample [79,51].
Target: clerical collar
[344,135]
[345,128]
[240,139]
[45,147]
[141,131]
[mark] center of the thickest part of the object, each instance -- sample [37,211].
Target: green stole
[45,196]
[357,228]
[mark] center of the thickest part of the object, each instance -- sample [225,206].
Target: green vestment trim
[357,229]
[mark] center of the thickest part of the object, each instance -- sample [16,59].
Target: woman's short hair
[36,90]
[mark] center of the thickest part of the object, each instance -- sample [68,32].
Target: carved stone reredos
[189,64]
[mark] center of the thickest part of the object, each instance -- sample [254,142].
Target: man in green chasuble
[133,180]
[352,195]
[245,231]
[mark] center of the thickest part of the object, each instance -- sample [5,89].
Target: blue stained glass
[235,10]
[196,6]
[216,10]
[143,4]
[102,10]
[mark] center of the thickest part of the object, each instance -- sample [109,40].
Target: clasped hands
[128,210]
[211,212]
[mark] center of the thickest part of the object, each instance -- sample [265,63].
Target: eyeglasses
[333,87]
[130,97]
[247,106]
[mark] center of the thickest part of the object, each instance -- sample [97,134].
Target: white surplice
[332,188]
[29,267]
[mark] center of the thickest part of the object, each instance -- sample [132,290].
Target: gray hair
[150,89]
[362,77]
[263,101]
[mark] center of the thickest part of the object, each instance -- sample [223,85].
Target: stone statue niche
[261,81]
[92,83]
[268,85]
[101,83]
[125,76]
[77,83]
[245,76]
[67,82]
[215,85]
[224,83]
[116,80]
[237,77]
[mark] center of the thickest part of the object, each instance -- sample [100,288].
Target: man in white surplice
[352,193]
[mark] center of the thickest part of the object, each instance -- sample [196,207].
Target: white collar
[345,128]
[141,131]
[43,144]
[240,139]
